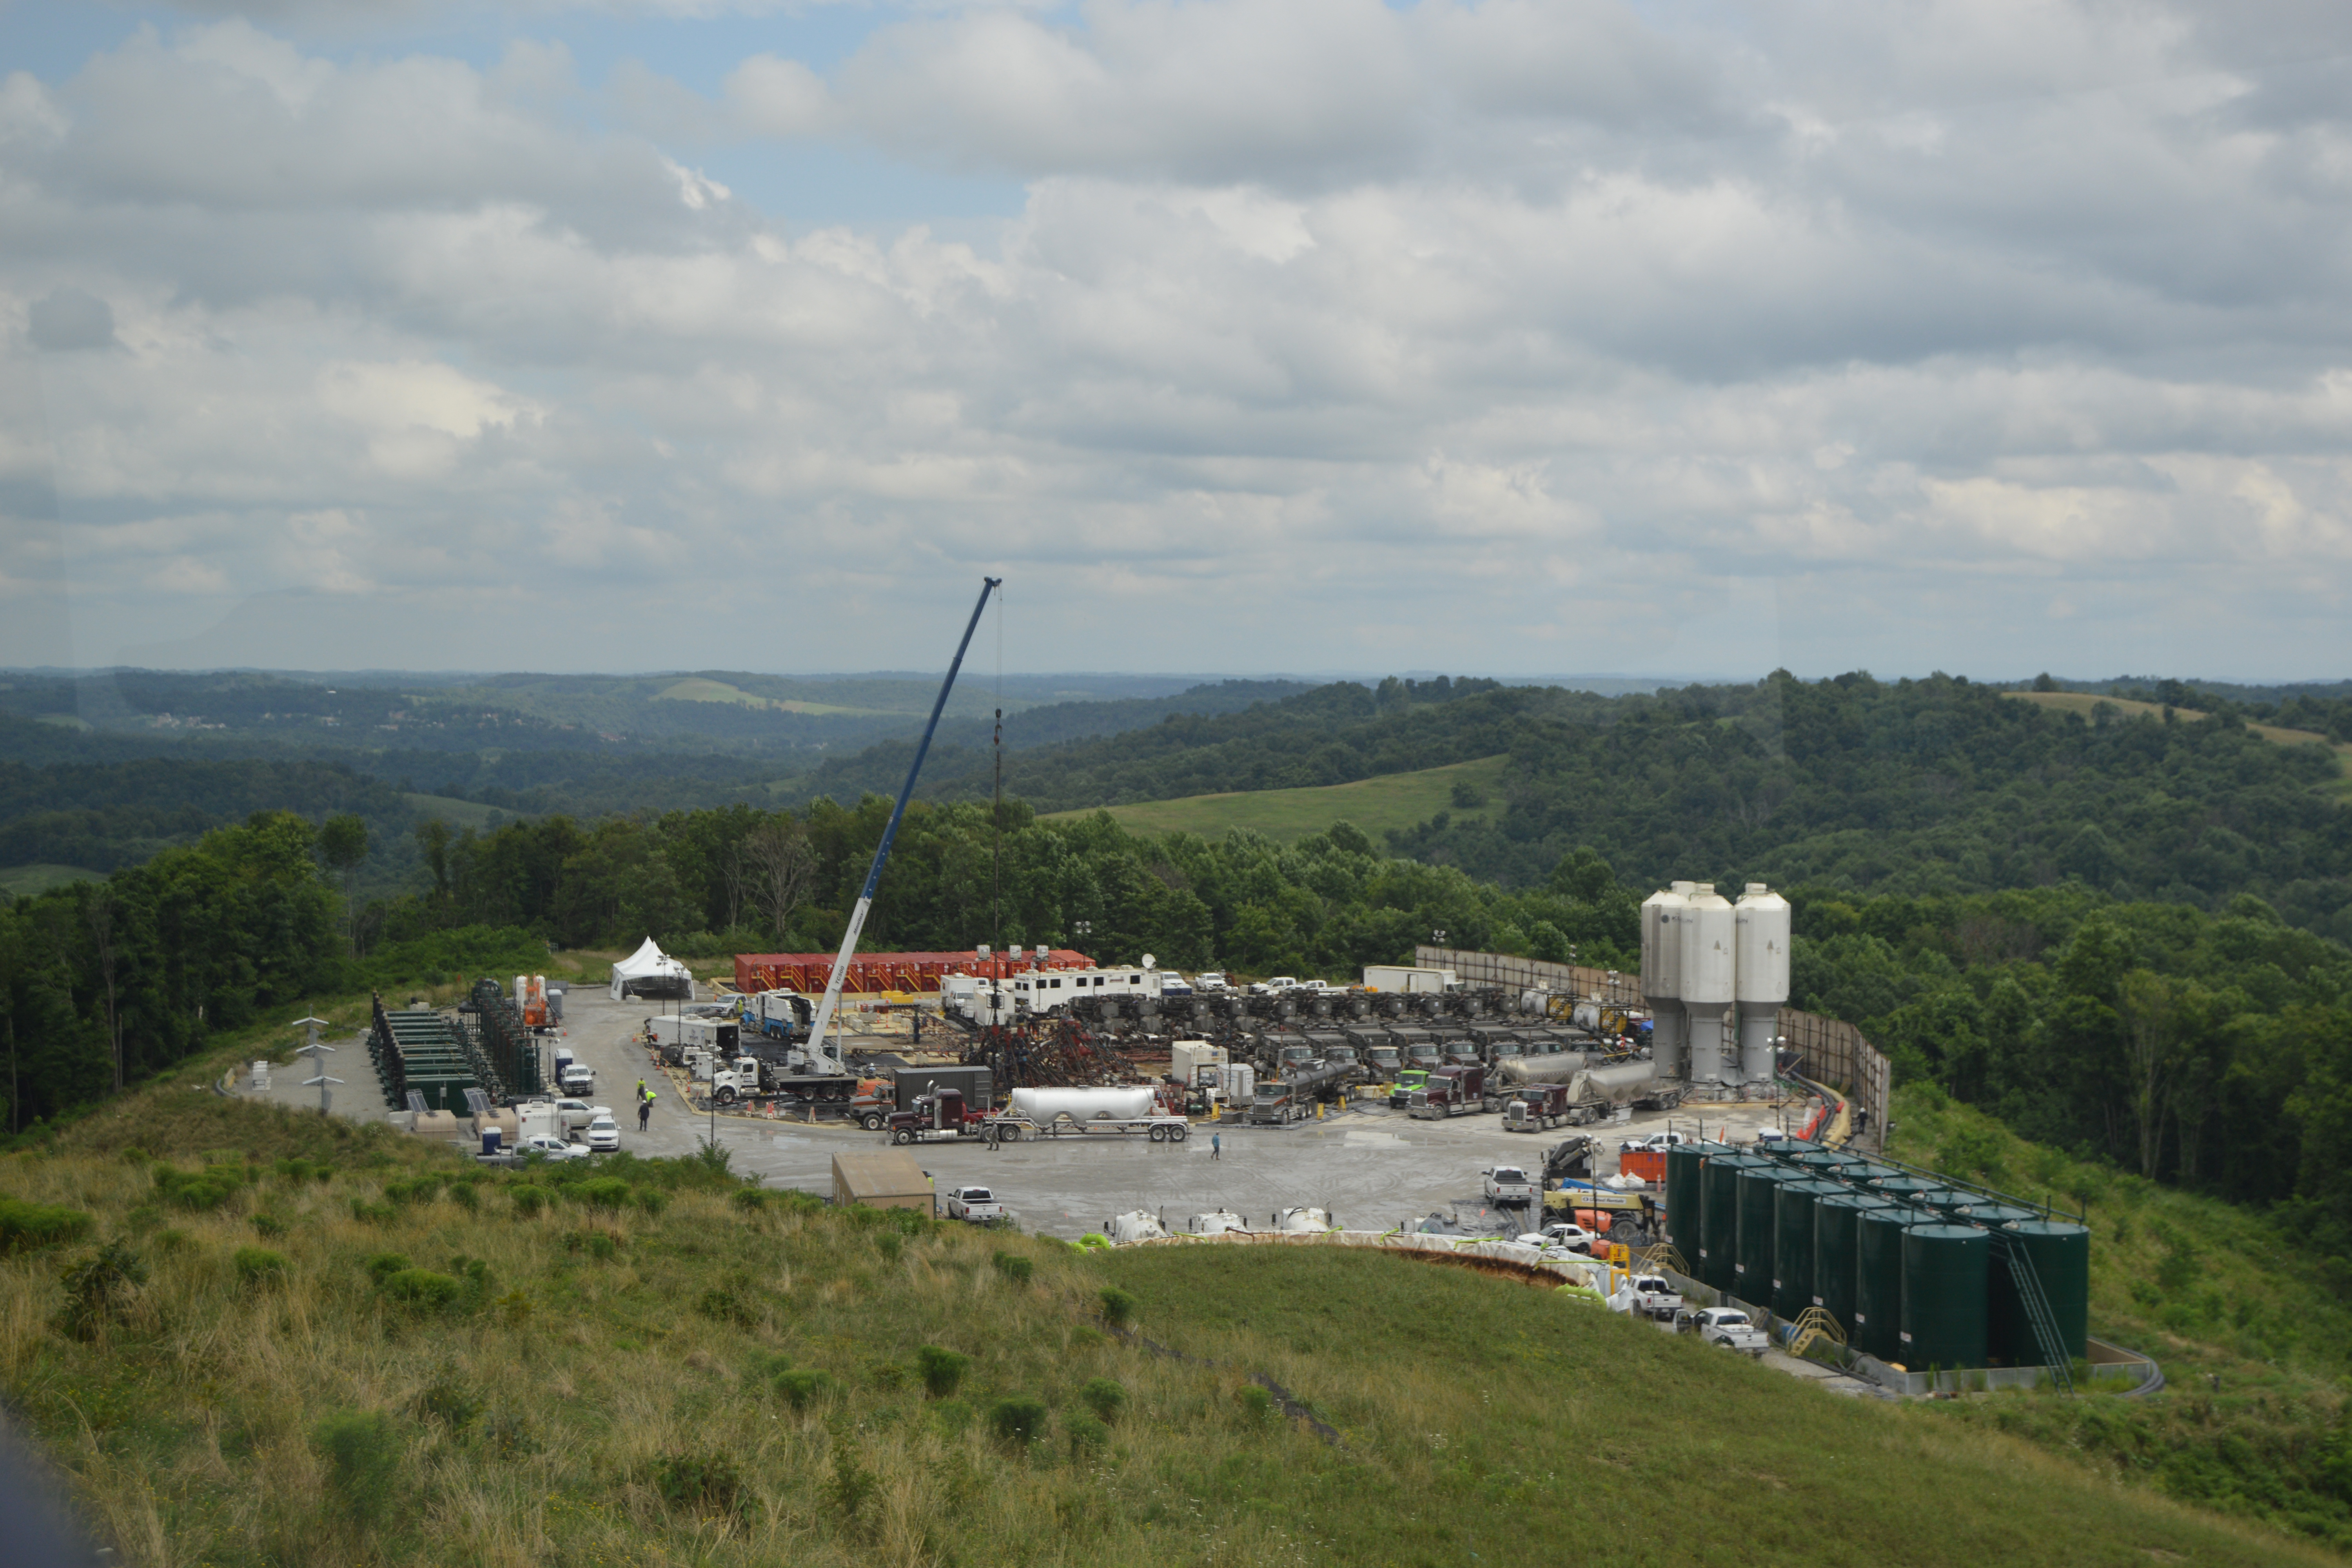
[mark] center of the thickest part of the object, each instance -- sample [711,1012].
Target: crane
[882,851]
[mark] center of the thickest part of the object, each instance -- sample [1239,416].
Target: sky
[1987,336]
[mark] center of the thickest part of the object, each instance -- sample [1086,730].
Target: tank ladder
[2038,1315]
[1662,1255]
[1813,1326]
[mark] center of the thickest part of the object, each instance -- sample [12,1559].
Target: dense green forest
[2121,935]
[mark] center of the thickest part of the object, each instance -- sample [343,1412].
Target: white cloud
[1446,311]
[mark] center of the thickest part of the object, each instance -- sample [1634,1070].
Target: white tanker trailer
[1052,1113]
[1594,1092]
[1557,1066]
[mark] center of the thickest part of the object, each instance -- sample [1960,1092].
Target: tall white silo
[1762,917]
[1662,964]
[1709,978]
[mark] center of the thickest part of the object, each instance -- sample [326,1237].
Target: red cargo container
[870,972]
[1650,1164]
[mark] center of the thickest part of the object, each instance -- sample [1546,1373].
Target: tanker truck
[1051,1113]
[1594,1092]
[1554,1067]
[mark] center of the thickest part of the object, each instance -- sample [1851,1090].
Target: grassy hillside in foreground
[424,1363]
[1375,804]
[2252,1330]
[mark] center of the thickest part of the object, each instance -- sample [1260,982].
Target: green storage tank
[1900,1187]
[1877,1325]
[1718,1223]
[1870,1171]
[1751,1266]
[1947,1286]
[1686,1171]
[2061,1252]
[1837,1224]
[1943,1199]
[1993,1215]
[1792,1243]
[1826,1162]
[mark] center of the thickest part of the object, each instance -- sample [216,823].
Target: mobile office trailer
[1409,979]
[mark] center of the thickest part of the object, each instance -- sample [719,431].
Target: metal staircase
[1813,1326]
[2038,1315]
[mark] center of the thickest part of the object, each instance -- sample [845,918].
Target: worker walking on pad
[645,1111]
[1216,1145]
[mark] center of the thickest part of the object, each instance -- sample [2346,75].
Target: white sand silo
[1662,966]
[1762,919]
[1709,983]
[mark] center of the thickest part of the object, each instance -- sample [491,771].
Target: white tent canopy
[649,972]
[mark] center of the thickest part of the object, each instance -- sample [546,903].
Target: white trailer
[1409,979]
[1052,1113]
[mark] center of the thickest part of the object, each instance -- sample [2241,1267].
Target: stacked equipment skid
[1917,1275]
[502,1043]
[418,1052]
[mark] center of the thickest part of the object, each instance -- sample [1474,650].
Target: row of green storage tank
[1909,1269]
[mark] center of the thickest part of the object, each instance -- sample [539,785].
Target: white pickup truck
[1648,1296]
[1509,1187]
[1728,1327]
[976,1204]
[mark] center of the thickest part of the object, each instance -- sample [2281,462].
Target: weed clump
[804,1387]
[528,1200]
[943,1369]
[1117,1307]
[101,1289]
[1015,1269]
[711,1483]
[363,1453]
[367,1212]
[266,1225]
[1105,1396]
[300,1169]
[381,1266]
[1087,1434]
[1018,1418]
[198,1190]
[422,1289]
[750,1199]
[606,1193]
[1258,1408]
[259,1265]
[449,1402]
[27,1226]
[724,1304]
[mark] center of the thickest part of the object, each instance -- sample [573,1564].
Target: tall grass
[571,1399]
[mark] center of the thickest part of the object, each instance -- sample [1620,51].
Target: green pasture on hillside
[1374,804]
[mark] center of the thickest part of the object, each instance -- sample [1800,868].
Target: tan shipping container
[883,1181]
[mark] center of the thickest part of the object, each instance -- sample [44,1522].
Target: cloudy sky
[1237,335]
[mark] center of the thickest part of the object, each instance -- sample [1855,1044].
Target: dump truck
[1452,1092]
[1292,1096]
